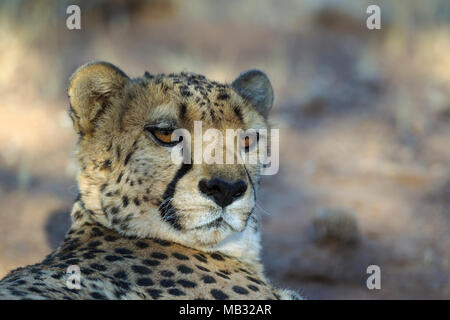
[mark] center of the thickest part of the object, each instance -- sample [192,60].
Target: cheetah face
[130,179]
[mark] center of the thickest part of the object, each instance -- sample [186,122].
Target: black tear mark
[168,211]
[251,182]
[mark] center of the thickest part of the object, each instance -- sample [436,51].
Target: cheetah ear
[91,88]
[254,86]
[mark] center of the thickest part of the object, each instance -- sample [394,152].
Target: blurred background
[364,118]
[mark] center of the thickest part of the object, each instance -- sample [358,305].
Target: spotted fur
[141,228]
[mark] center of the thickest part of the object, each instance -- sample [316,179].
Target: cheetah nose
[222,192]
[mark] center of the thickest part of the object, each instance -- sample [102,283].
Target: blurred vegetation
[364,118]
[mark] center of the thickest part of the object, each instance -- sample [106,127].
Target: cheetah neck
[244,245]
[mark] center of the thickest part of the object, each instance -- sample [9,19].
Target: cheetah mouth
[216,223]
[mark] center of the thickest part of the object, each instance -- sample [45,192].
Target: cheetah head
[128,179]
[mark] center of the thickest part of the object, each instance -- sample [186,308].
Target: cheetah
[143,226]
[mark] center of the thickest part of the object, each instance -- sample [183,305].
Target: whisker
[262,209]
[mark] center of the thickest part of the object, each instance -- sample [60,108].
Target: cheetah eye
[249,142]
[163,136]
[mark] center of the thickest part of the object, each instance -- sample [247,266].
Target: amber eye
[163,135]
[248,142]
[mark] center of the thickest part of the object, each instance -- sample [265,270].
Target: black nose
[222,192]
